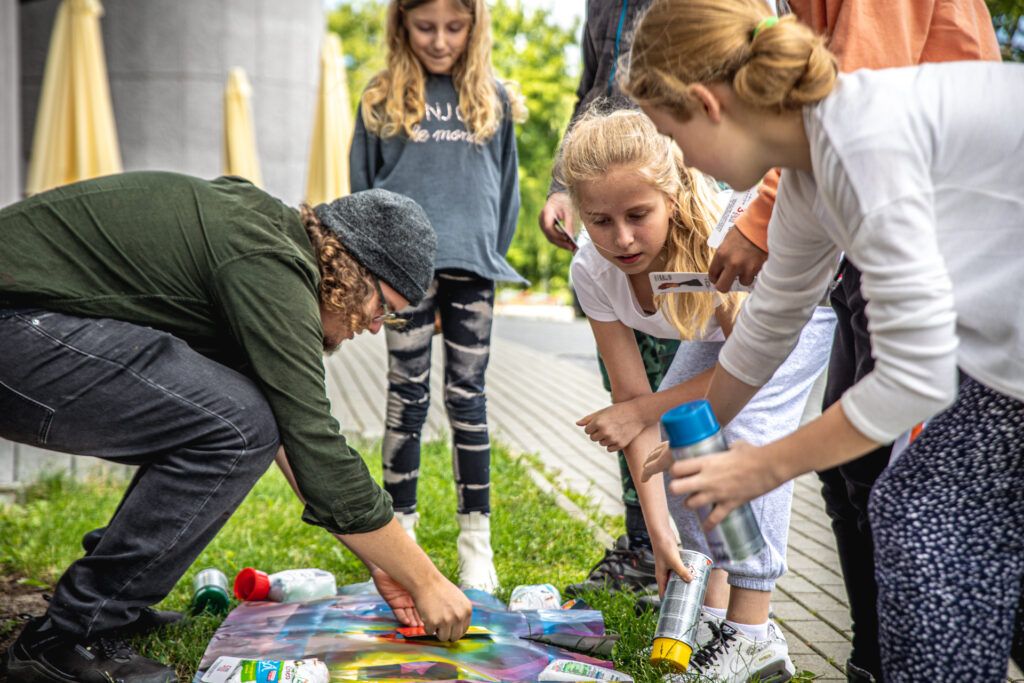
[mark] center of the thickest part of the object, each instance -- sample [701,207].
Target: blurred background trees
[543,57]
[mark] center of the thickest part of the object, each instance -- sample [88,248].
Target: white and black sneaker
[731,657]
[44,654]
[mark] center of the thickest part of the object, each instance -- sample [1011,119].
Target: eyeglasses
[388,317]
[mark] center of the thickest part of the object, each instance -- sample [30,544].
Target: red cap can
[252,584]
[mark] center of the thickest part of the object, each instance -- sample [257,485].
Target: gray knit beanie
[389,234]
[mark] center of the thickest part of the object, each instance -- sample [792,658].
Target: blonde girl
[916,174]
[436,126]
[645,212]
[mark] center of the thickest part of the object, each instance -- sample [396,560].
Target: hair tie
[767,22]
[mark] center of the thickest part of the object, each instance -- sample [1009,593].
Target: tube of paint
[291,585]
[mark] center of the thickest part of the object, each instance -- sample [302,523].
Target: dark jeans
[846,488]
[201,434]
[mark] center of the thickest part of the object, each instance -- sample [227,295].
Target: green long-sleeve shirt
[223,266]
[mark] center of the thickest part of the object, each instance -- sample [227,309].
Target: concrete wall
[168,62]
[10,150]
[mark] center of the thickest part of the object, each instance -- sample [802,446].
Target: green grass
[534,541]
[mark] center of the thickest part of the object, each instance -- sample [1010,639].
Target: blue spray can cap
[689,423]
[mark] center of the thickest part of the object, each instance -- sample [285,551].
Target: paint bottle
[291,585]
[692,430]
[675,638]
[210,592]
[571,670]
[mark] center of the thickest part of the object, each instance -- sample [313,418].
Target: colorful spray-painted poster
[357,636]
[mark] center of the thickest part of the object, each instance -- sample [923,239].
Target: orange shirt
[877,34]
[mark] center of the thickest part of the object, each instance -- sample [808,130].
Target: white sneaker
[408,520]
[476,559]
[707,628]
[731,657]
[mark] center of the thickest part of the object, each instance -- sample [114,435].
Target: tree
[532,50]
[1008,19]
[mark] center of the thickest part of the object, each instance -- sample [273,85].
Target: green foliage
[532,50]
[1008,18]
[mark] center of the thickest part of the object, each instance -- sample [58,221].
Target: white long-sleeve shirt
[918,176]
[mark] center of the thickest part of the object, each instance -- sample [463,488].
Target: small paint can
[675,638]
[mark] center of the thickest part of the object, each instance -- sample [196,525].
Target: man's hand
[736,257]
[445,610]
[557,206]
[613,427]
[398,599]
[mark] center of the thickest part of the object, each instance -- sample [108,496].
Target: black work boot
[44,654]
[621,568]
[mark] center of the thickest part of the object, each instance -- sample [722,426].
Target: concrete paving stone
[791,611]
[817,632]
[837,618]
[820,576]
[793,584]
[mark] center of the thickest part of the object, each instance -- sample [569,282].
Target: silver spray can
[675,639]
[691,430]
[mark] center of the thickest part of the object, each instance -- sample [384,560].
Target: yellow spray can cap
[673,652]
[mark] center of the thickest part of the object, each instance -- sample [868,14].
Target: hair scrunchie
[767,22]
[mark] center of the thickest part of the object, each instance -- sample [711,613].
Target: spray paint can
[210,592]
[675,639]
[692,430]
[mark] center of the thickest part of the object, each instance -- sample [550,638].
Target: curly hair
[679,42]
[394,102]
[345,285]
[600,141]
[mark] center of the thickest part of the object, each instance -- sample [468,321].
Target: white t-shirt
[606,295]
[919,178]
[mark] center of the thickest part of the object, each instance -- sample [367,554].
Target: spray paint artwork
[357,636]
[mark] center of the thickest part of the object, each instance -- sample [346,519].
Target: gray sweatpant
[772,413]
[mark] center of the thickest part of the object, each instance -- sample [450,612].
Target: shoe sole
[773,673]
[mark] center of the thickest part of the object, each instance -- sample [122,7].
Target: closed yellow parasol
[75,137]
[240,156]
[328,176]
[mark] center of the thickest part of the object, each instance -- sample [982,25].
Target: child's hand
[658,460]
[613,427]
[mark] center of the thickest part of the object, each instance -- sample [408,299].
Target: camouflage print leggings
[466,305]
[657,355]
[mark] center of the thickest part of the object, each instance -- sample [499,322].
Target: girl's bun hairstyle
[779,67]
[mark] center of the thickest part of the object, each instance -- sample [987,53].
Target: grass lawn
[534,542]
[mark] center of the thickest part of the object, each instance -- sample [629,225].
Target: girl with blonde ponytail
[645,212]
[914,174]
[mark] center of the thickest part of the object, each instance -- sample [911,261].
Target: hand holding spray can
[692,430]
[675,639]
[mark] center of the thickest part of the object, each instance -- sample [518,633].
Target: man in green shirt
[179,324]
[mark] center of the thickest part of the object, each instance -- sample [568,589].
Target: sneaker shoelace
[614,562]
[707,655]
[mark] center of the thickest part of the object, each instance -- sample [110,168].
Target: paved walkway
[533,399]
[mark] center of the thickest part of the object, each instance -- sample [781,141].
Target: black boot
[43,654]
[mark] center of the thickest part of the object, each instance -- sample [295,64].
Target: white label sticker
[734,208]
[221,670]
[669,283]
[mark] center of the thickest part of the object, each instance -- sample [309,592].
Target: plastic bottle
[534,596]
[210,592]
[675,639]
[571,670]
[291,585]
[692,430]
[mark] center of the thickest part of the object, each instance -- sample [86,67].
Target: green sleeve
[268,301]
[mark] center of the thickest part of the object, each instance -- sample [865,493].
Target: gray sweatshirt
[470,192]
